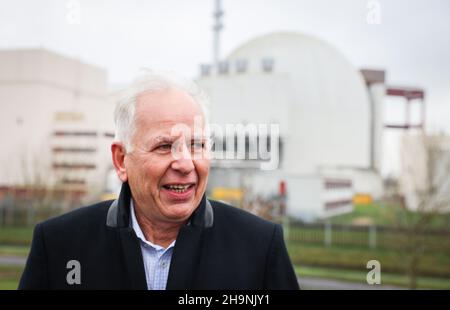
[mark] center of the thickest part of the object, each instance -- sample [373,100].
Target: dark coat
[222,247]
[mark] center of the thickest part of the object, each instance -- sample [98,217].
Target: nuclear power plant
[57,125]
[329,119]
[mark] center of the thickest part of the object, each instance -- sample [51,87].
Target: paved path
[13,260]
[327,284]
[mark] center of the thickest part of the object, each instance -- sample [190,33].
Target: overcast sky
[411,42]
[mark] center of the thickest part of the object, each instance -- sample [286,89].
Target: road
[328,284]
[12,260]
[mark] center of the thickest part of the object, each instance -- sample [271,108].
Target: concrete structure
[56,122]
[330,120]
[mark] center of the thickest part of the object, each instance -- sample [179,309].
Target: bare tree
[36,191]
[426,189]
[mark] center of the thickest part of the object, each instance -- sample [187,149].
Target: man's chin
[179,211]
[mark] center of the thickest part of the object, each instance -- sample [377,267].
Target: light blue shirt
[156,258]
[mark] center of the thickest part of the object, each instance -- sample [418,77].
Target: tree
[425,184]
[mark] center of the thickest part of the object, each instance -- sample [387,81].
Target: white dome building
[323,109]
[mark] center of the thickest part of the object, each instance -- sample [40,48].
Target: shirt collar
[137,229]
[119,215]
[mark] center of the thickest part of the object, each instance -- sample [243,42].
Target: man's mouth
[179,188]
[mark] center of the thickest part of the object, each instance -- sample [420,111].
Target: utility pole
[218,26]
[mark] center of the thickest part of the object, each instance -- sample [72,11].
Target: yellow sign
[362,199]
[225,193]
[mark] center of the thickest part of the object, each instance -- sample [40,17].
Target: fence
[28,212]
[372,237]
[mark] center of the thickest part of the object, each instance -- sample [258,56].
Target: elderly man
[162,232]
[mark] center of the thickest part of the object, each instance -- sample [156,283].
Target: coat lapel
[185,258]
[187,253]
[119,218]
[134,263]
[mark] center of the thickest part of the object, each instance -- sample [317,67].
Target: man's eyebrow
[160,139]
[172,139]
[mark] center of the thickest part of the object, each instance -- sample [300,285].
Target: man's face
[168,167]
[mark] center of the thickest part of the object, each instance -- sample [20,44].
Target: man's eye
[165,147]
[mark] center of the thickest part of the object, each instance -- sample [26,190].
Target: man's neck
[162,234]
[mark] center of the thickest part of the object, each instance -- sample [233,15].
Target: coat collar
[187,252]
[119,211]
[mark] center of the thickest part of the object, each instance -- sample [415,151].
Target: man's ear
[118,158]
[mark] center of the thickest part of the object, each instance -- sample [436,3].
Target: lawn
[9,277]
[357,276]
[14,241]
[14,250]
[360,237]
[385,214]
[15,235]
[355,258]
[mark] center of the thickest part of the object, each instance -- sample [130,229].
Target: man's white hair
[150,81]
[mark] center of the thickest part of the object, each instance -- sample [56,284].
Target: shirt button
[163,264]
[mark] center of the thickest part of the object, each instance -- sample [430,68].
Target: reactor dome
[308,87]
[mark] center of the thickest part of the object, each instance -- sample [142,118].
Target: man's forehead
[169,122]
[164,115]
[172,127]
[167,105]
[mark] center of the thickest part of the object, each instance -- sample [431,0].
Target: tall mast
[218,26]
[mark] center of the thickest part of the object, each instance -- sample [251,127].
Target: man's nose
[183,160]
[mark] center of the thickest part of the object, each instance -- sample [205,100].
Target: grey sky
[412,42]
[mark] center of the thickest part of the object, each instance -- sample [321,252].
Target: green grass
[379,213]
[385,214]
[14,250]
[9,284]
[360,277]
[9,277]
[360,238]
[355,258]
[15,235]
